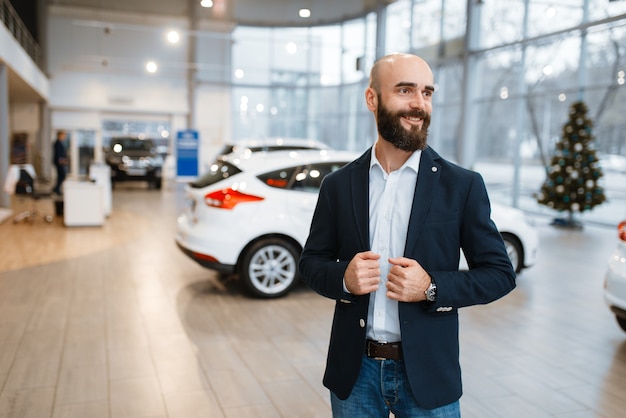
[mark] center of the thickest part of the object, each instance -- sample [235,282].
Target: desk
[101,174]
[82,203]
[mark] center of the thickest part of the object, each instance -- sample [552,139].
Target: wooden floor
[115,322]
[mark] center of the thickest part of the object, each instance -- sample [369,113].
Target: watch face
[431,292]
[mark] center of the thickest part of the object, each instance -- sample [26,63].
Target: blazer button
[362,323]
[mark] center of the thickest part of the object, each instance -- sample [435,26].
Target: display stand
[101,174]
[82,203]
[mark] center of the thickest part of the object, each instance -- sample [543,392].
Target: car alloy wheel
[269,268]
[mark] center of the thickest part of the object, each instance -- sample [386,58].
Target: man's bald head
[385,64]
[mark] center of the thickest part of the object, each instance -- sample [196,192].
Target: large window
[505,99]
[296,82]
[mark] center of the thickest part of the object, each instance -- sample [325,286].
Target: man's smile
[413,120]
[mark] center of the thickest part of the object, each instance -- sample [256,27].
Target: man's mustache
[415,114]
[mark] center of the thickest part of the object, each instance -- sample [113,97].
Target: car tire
[269,268]
[621,322]
[514,250]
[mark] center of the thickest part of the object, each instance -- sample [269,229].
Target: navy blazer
[450,212]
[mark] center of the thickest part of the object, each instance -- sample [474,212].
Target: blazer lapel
[359,184]
[427,180]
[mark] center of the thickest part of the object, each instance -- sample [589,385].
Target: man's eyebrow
[406,84]
[414,85]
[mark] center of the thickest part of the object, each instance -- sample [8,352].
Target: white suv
[615,279]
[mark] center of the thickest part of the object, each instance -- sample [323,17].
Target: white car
[250,145]
[251,213]
[615,279]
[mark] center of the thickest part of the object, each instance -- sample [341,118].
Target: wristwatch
[431,292]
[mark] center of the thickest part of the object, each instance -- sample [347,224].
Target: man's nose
[417,102]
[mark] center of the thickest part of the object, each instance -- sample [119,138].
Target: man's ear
[371,99]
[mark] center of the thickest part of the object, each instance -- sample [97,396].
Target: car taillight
[229,198]
[621,231]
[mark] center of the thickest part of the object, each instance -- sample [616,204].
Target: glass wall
[303,82]
[528,61]
[156,130]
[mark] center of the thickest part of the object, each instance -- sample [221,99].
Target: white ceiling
[244,12]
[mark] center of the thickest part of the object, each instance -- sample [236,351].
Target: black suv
[134,159]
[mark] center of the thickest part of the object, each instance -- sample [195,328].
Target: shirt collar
[413,162]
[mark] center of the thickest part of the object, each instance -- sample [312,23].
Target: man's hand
[407,280]
[363,273]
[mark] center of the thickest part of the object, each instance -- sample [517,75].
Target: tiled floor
[115,322]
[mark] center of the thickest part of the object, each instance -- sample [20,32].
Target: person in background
[60,160]
[385,243]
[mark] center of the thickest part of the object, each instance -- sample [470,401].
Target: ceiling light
[151,67]
[206,3]
[173,37]
[304,13]
[291,47]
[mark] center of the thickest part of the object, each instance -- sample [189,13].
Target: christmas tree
[574,173]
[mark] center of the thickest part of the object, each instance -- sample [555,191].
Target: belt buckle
[369,352]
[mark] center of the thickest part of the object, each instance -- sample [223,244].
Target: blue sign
[187,153]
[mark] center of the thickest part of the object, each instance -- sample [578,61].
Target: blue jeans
[383,387]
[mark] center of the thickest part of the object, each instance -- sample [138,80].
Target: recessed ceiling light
[291,47]
[173,37]
[151,67]
[206,3]
[304,13]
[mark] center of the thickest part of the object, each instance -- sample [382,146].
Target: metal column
[466,146]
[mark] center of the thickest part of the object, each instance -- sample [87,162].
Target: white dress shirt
[390,200]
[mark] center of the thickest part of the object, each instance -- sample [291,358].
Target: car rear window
[269,148]
[307,178]
[226,149]
[219,171]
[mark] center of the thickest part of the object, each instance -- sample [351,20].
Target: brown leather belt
[383,351]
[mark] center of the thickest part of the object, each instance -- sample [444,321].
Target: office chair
[25,186]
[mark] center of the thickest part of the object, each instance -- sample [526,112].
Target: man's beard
[390,128]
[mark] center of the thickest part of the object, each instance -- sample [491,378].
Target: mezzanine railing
[11,20]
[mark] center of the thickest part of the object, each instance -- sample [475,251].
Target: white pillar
[5,199]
